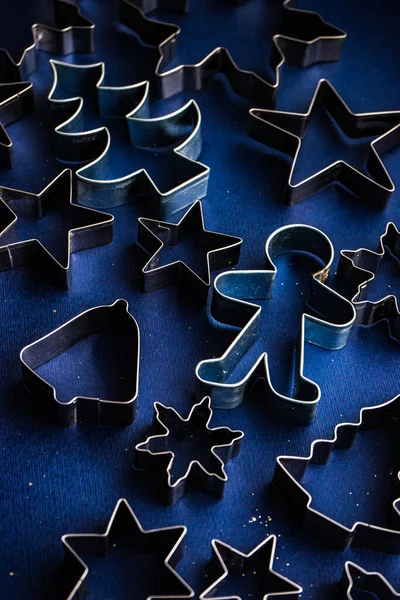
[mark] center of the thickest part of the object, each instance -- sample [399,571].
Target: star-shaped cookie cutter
[326,324]
[90,228]
[75,144]
[358,268]
[284,132]
[355,579]
[221,250]
[16,101]
[259,561]
[72,33]
[290,471]
[113,317]
[166,541]
[155,455]
[291,45]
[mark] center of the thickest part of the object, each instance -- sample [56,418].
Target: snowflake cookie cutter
[154,455]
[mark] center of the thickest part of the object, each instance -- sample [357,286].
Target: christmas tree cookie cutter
[180,129]
[290,470]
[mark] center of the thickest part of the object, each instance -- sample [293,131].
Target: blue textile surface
[56,481]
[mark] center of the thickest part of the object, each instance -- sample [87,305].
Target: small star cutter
[153,235]
[167,540]
[357,579]
[72,33]
[290,471]
[90,228]
[358,268]
[284,132]
[291,45]
[82,408]
[326,323]
[75,144]
[231,560]
[223,445]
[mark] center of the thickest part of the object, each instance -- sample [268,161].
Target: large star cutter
[290,471]
[222,250]
[356,580]
[329,329]
[154,454]
[113,317]
[358,268]
[284,132]
[259,561]
[306,39]
[167,542]
[72,33]
[181,129]
[90,228]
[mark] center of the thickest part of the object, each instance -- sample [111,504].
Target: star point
[358,580]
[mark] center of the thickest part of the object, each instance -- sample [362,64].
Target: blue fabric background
[56,481]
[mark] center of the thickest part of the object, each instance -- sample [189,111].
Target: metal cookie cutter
[358,268]
[326,324]
[164,543]
[305,40]
[89,228]
[284,132]
[220,443]
[290,471]
[356,580]
[113,318]
[221,250]
[16,101]
[180,129]
[259,562]
[72,33]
